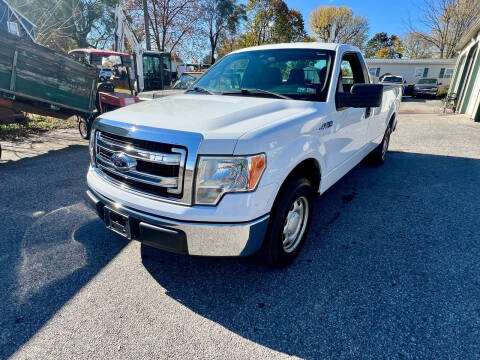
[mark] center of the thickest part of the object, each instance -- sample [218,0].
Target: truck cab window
[351,73]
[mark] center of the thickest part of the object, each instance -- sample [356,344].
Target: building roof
[412,61]
[474,29]
[99,52]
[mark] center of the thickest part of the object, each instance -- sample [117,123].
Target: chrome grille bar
[159,163]
[167,182]
[151,156]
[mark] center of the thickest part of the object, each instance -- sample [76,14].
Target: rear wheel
[289,223]
[378,156]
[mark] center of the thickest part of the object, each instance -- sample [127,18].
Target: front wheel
[84,128]
[289,223]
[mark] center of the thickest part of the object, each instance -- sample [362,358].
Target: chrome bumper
[193,238]
[425,92]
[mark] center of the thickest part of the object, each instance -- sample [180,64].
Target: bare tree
[334,24]
[171,20]
[448,20]
[416,47]
[64,24]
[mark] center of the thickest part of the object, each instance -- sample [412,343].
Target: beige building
[466,80]
[414,69]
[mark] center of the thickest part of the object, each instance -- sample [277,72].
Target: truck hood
[216,117]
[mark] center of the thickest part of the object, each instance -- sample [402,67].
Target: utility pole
[146,19]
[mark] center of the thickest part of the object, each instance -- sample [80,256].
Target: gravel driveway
[391,268]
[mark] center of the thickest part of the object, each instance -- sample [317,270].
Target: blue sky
[385,16]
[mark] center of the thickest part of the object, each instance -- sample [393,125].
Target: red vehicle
[112,93]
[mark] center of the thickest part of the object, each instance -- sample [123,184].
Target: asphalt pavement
[391,268]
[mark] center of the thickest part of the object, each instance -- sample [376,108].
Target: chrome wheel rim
[83,129]
[295,224]
[385,144]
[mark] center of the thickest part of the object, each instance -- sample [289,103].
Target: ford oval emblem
[122,161]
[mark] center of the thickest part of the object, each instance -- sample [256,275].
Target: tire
[84,128]
[293,207]
[379,154]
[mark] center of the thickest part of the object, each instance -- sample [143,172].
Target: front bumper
[193,238]
[424,92]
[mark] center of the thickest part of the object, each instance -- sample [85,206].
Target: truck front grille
[159,168]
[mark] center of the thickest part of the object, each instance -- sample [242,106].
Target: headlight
[217,176]
[91,147]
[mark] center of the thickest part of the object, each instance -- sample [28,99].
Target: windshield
[394,79]
[186,80]
[302,74]
[428,81]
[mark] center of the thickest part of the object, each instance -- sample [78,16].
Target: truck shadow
[51,243]
[390,270]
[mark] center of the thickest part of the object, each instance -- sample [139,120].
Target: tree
[222,19]
[333,24]
[447,21]
[271,21]
[231,43]
[65,24]
[383,46]
[170,20]
[416,47]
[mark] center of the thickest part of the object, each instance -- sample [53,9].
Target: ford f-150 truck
[232,166]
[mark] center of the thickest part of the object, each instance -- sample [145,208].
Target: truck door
[350,125]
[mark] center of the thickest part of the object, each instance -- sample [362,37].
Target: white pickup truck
[233,166]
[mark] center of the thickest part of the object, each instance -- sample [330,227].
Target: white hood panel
[213,116]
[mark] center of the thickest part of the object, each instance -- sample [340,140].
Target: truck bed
[36,79]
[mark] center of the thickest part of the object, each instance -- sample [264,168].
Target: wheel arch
[310,169]
[393,121]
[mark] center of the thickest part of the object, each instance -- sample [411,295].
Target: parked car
[232,167]
[426,87]
[105,74]
[392,80]
[186,80]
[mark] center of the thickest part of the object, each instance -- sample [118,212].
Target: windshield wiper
[202,90]
[256,92]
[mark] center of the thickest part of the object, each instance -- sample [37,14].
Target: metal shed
[466,81]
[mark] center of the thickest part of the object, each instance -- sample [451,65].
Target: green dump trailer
[38,80]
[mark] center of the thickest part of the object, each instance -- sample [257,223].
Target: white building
[466,81]
[413,69]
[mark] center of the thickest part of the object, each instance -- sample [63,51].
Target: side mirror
[361,96]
